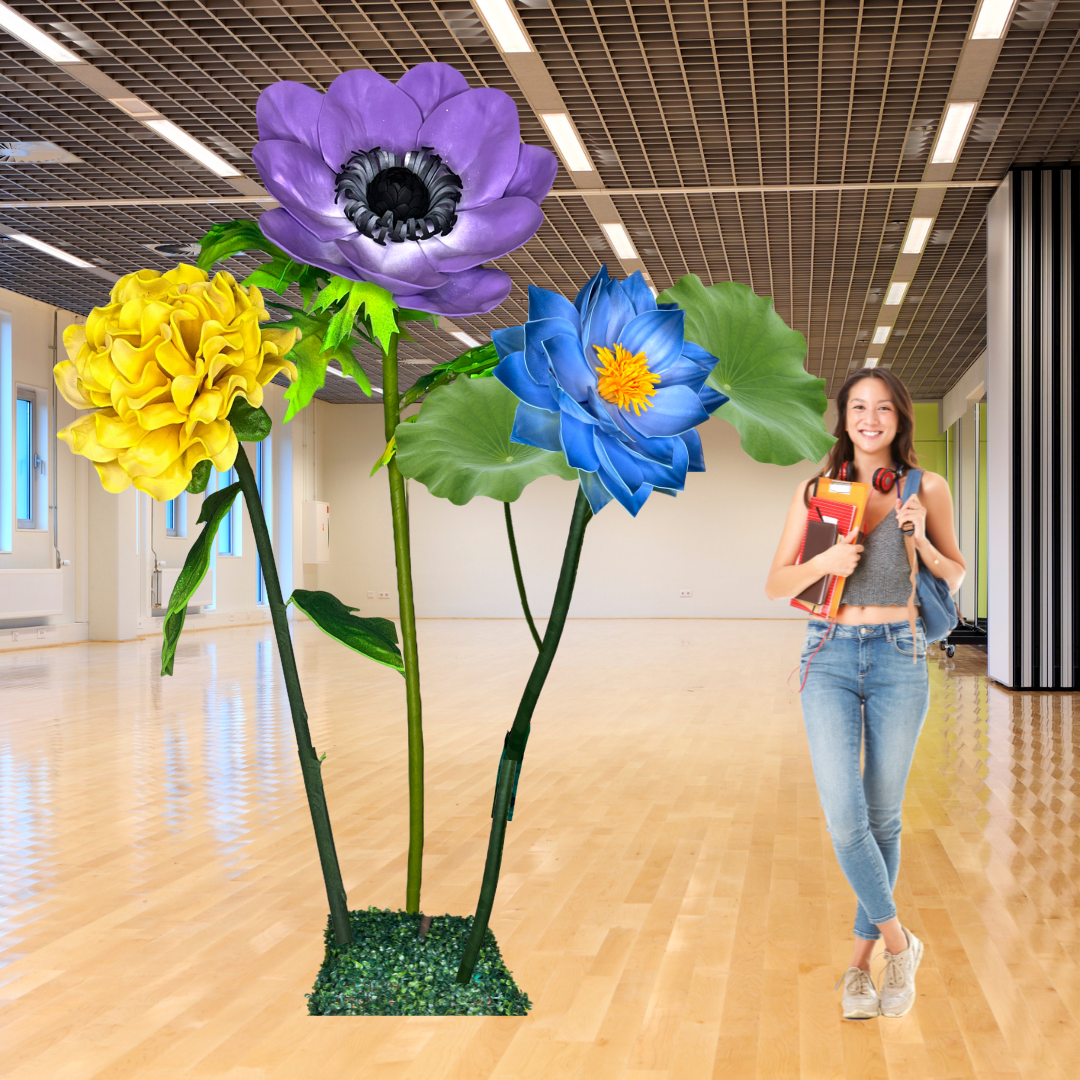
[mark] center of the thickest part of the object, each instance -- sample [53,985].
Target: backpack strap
[910,482]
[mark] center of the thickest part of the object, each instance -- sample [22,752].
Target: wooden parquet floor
[669,899]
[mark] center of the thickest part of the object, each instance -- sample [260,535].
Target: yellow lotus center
[625,378]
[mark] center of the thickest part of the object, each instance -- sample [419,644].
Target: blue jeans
[863,692]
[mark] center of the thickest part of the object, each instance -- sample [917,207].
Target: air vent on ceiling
[175,248]
[77,37]
[941,236]
[918,138]
[35,153]
[986,128]
[464,23]
[1033,14]
[226,147]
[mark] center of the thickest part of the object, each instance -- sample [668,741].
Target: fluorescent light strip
[895,296]
[48,249]
[619,239]
[953,131]
[994,16]
[881,335]
[570,147]
[503,23]
[193,148]
[465,339]
[917,232]
[871,361]
[22,28]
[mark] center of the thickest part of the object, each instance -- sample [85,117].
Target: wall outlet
[384,596]
[41,633]
[14,635]
[686,592]
[370,595]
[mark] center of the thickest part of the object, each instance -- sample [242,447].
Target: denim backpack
[936,605]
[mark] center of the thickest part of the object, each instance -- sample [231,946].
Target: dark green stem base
[400,511]
[310,766]
[518,735]
[519,578]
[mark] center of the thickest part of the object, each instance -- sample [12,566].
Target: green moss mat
[389,971]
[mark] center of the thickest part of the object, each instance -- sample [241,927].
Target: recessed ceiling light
[881,335]
[917,233]
[871,361]
[570,147]
[48,249]
[620,240]
[953,130]
[509,34]
[994,16]
[193,148]
[465,339]
[19,26]
[895,295]
[136,108]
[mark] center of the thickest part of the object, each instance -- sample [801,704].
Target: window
[27,462]
[176,516]
[229,533]
[263,482]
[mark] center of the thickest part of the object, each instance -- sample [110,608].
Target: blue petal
[513,374]
[545,304]
[659,335]
[577,443]
[573,408]
[673,411]
[699,355]
[607,416]
[666,491]
[684,372]
[621,475]
[608,316]
[537,331]
[657,475]
[668,307]
[594,489]
[536,427]
[508,341]
[696,461]
[588,291]
[639,294]
[711,399]
[569,366]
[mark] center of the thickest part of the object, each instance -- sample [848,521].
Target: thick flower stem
[310,766]
[518,735]
[520,579]
[400,511]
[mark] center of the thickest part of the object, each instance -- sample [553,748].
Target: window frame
[28,482]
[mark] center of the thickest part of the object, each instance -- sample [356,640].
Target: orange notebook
[842,503]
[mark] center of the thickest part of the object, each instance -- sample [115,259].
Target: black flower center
[388,196]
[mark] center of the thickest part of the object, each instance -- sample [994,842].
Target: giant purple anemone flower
[410,185]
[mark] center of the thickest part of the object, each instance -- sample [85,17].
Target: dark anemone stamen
[388,196]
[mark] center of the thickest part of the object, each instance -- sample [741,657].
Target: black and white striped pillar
[1033,481]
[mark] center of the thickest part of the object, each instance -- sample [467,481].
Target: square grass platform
[389,971]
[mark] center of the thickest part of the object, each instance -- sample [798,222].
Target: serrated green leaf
[775,404]
[372,302]
[229,238]
[476,363]
[200,477]
[250,424]
[214,509]
[373,637]
[460,445]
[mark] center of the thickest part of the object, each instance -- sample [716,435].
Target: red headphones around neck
[884,479]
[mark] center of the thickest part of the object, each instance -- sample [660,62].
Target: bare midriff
[853,615]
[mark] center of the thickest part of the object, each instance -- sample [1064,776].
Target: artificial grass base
[389,971]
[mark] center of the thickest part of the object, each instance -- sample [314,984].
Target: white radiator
[203,595]
[30,594]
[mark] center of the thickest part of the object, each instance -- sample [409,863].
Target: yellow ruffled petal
[113,478]
[166,486]
[207,407]
[224,460]
[67,382]
[153,454]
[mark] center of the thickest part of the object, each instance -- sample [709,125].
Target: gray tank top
[883,573]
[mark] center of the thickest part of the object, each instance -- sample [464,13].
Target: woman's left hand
[915,512]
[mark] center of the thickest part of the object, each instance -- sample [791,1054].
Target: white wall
[717,538]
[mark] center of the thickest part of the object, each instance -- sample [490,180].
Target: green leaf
[214,509]
[776,405]
[250,424]
[478,362]
[375,638]
[229,238]
[460,445]
[385,456]
[200,477]
[310,359]
[281,272]
[374,303]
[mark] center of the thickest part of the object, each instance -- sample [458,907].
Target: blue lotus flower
[610,381]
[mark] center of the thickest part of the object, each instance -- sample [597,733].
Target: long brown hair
[903,444]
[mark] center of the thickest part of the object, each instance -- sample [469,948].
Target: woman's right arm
[788,578]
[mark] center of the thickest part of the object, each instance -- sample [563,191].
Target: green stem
[310,765]
[520,579]
[400,511]
[518,735]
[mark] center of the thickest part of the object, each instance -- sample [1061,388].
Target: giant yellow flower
[162,364]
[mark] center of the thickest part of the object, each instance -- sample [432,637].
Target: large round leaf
[460,445]
[776,405]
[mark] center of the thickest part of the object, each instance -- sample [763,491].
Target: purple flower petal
[483,234]
[289,111]
[477,134]
[514,375]
[281,228]
[472,292]
[571,370]
[430,85]
[535,173]
[298,178]
[363,110]
[403,264]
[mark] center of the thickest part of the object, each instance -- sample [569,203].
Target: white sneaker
[898,982]
[861,1000]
